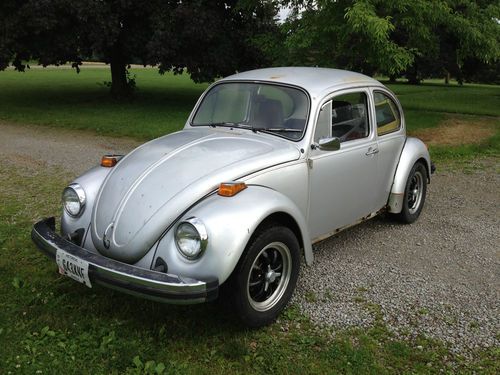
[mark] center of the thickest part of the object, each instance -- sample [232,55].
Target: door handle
[372,151]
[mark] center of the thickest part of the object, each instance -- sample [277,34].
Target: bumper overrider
[158,286]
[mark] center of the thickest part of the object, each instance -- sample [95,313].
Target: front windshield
[261,107]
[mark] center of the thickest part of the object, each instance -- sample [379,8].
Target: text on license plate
[71,266]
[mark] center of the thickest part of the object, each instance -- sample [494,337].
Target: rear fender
[414,150]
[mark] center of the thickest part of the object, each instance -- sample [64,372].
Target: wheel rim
[269,276]
[415,192]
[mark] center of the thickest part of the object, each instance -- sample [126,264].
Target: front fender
[230,223]
[413,151]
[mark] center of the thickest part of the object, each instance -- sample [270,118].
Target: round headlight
[73,199]
[191,238]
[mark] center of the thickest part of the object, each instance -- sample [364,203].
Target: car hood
[154,184]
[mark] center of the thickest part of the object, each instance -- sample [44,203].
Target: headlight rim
[201,229]
[82,198]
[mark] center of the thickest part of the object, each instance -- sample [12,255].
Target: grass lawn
[60,97]
[50,324]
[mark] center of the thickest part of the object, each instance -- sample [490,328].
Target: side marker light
[230,189]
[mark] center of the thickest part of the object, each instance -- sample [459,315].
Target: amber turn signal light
[109,161]
[229,189]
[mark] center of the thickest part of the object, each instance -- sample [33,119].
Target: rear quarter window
[387,114]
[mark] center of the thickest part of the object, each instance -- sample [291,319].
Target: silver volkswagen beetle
[269,162]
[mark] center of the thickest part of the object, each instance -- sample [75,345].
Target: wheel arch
[414,151]
[290,218]
[284,219]
[427,169]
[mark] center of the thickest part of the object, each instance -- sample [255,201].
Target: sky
[283,13]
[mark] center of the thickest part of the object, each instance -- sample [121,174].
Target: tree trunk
[120,87]
[460,76]
[412,76]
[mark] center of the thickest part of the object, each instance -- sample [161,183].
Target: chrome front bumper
[158,286]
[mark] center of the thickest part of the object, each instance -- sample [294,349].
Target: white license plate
[73,267]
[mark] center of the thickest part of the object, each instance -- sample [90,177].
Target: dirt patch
[456,132]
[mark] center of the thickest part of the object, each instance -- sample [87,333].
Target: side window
[388,117]
[350,116]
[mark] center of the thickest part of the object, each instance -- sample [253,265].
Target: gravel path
[70,150]
[439,276]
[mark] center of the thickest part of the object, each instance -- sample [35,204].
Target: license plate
[73,267]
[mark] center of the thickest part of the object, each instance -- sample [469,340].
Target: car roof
[314,80]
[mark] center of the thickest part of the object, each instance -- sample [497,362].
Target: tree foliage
[208,38]
[211,38]
[416,38]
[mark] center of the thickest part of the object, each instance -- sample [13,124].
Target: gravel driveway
[70,150]
[439,277]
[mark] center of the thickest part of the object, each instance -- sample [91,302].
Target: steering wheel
[358,128]
[348,129]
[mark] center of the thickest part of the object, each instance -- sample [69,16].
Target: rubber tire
[238,281]
[405,216]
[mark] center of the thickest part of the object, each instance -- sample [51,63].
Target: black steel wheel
[415,193]
[266,275]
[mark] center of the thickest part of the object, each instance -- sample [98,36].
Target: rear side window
[387,113]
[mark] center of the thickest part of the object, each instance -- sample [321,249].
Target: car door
[341,181]
[391,139]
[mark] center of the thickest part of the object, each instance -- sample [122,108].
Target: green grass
[428,104]
[416,120]
[60,97]
[468,99]
[50,324]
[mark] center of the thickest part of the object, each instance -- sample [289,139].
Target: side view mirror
[329,144]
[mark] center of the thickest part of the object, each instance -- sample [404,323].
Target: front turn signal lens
[110,161]
[230,189]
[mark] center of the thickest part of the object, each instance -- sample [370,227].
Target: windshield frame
[222,82]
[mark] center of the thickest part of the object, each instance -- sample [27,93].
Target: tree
[355,35]
[470,31]
[457,31]
[417,38]
[207,38]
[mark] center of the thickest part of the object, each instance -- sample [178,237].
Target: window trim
[369,103]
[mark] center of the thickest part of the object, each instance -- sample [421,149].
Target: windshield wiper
[226,124]
[229,124]
[276,130]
